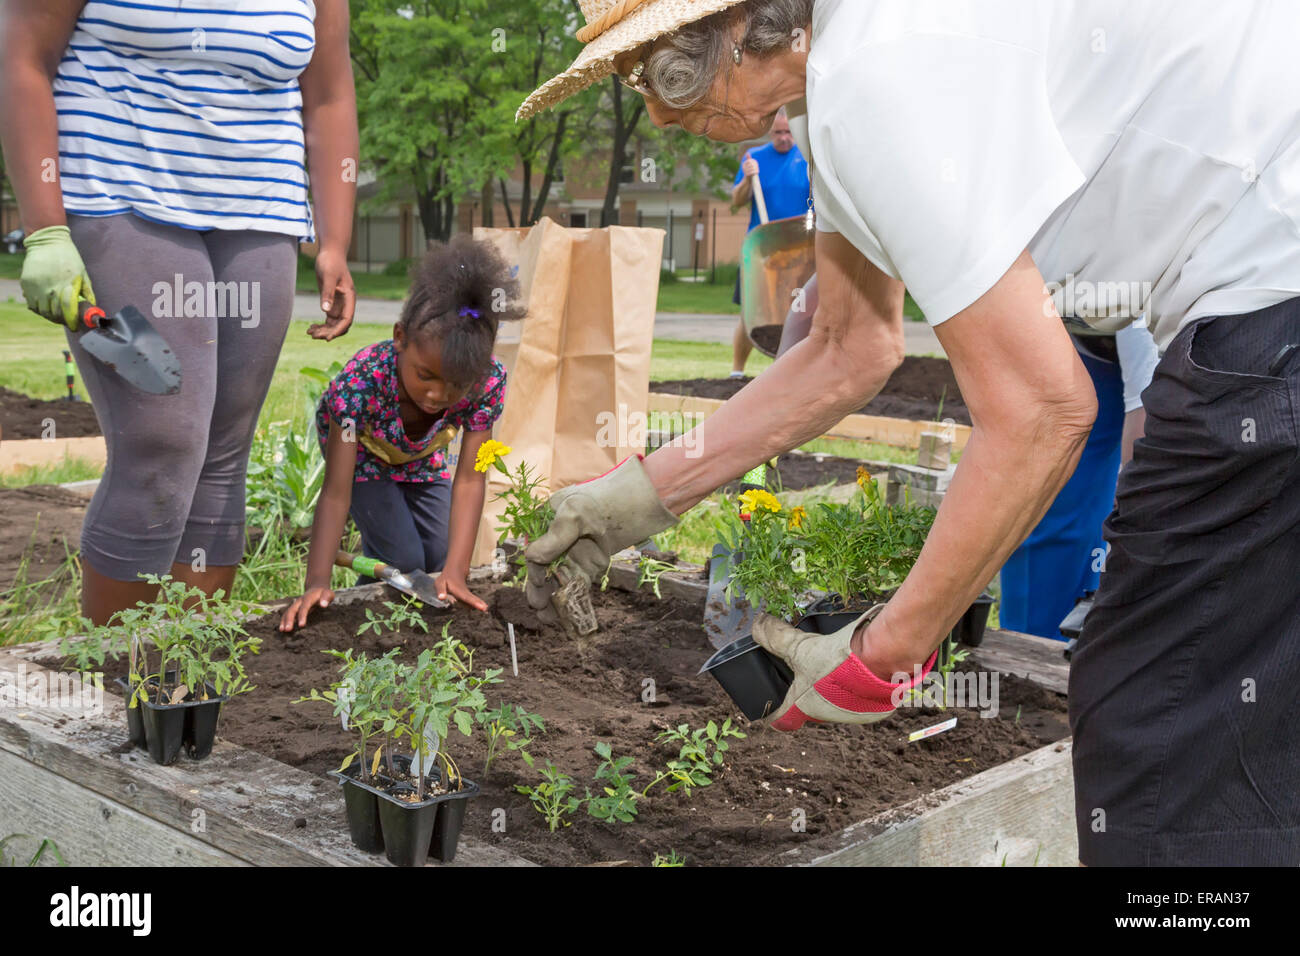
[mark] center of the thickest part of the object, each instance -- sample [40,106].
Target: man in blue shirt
[783,171]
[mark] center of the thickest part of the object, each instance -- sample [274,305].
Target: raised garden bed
[913,392]
[798,471]
[42,522]
[22,416]
[858,789]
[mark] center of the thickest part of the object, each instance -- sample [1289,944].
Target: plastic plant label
[430,759]
[931,731]
[345,695]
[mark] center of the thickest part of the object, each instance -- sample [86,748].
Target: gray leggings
[173,488]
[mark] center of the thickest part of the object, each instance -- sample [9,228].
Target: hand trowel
[418,584]
[727,620]
[127,344]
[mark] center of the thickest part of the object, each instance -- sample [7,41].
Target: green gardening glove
[54,278]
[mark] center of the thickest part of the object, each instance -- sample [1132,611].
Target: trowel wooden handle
[90,316]
[362,565]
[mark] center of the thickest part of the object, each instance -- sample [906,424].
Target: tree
[625,113]
[536,40]
[427,81]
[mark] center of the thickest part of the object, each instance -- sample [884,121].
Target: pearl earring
[736,55]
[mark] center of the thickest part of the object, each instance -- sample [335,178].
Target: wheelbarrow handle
[760,200]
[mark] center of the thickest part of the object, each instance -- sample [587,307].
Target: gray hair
[682,73]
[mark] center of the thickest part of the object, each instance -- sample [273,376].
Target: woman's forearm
[1010,472]
[797,399]
[332,157]
[29,126]
[467,498]
[1033,405]
[329,120]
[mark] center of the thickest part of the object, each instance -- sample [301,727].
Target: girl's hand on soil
[455,589]
[295,615]
[338,296]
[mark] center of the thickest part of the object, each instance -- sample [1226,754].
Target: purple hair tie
[466,310]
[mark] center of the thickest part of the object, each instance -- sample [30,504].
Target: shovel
[127,344]
[418,584]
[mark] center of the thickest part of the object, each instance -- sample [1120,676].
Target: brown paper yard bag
[577,389]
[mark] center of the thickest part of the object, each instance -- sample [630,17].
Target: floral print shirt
[366,391]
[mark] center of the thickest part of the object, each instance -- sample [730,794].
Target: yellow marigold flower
[758,500]
[489,452]
[864,478]
[797,516]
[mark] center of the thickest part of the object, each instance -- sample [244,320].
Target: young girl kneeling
[385,423]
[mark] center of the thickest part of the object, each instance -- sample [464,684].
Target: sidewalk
[680,327]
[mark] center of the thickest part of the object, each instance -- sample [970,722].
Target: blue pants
[1063,556]
[403,523]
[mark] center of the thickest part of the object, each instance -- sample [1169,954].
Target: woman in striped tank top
[160,152]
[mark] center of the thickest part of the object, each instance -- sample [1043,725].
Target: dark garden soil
[44,518]
[912,392]
[795,472]
[592,691]
[24,417]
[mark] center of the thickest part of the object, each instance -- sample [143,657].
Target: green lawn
[375,285]
[671,360]
[31,358]
[61,473]
[674,296]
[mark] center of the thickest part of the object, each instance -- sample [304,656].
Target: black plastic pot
[451,817]
[362,803]
[971,625]
[830,613]
[201,724]
[163,729]
[134,721]
[756,680]
[414,831]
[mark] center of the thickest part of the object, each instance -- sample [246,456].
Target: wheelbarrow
[777,259]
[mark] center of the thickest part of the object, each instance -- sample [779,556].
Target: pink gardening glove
[830,683]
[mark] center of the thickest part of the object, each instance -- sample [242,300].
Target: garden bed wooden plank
[1025,655]
[1021,811]
[1018,814]
[241,803]
[899,432]
[89,828]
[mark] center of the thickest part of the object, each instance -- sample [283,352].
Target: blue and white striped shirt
[187,112]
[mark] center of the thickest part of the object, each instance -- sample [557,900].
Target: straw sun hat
[614,27]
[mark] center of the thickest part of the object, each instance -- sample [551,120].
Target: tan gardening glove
[593,521]
[831,684]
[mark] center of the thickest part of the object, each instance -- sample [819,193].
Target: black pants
[1185,686]
[404,524]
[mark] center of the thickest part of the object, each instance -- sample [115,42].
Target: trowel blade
[725,621]
[127,344]
[419,585]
